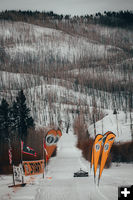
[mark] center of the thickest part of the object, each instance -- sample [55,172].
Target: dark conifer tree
[5,122]
[21,115]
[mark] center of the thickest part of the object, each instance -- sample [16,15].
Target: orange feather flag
[51,140]
[106,149]
[103,140]
[96,151]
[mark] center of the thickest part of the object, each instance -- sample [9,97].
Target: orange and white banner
[96,150]
[51,140]
[33,167]
[109,139]
[103,140]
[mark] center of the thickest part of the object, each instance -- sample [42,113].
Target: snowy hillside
[59,100]
[41,43]
[49,103]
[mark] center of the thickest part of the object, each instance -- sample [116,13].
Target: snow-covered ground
[115,123]
[59,183]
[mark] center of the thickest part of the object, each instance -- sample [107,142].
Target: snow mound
[119,124]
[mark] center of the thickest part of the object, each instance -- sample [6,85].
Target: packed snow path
[59,183]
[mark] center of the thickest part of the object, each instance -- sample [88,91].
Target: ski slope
[59,183]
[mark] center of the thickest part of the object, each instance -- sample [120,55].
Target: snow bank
[119,124]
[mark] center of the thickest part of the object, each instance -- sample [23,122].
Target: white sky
[73,7]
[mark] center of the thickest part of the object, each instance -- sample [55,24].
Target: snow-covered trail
[59,183]
[62,184]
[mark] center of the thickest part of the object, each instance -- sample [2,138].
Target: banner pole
[13,175]
[22,160]
[43,156]
[46,161]
[92,160]
[98,180]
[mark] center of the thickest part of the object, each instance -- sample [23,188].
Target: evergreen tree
[21,115]
[14,116]
[5,122]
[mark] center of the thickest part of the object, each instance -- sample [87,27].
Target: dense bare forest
[105,66]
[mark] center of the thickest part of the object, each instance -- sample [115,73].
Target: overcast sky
[73,7]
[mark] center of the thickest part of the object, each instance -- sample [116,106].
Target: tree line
[109,18]
[115,19]
[15,119]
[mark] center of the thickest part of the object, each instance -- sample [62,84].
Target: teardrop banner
[105,152]
[51,140]
[96,151]
[92,152]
